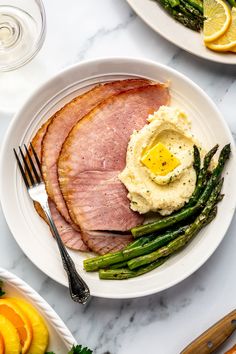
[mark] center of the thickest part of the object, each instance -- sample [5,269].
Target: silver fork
[32,176]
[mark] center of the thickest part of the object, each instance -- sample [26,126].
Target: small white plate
[60,338]
[33,235]
[161,22]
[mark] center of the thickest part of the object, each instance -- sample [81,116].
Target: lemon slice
[218,18]
[228,39]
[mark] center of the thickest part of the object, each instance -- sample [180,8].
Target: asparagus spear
[119,265]
[186,213]
[92,264]
[232,2]
[202,177]
[198,4]
[197,160]
[182,240]
[125,273]
[95,263]
[140,241]
[173,3]
[114,273]
[158,242]
[189,22]
[215,176]
[192,10]
[192,23]
[164,223]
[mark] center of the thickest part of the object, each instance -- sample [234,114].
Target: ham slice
[107,193]
[105,242]
[38,138]
[61,124]
[69,232]
[93,155]
[70,237]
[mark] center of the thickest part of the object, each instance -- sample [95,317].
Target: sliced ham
[105,242]
[61,124]
[107,186]
[70,237]
[95,152]
[38,138]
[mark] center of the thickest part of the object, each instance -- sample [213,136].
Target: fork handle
[78,288]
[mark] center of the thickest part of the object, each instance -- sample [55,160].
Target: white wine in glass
[22,33]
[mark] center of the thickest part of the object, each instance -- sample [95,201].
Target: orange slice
[10,336]
[2,346]
[19,320]
[40,332]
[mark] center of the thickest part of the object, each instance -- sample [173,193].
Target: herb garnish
[76,350]
[1,291]
[79,350]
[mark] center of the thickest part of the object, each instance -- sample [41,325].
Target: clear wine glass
[22,33]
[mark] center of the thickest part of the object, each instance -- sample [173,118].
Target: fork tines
[30,170]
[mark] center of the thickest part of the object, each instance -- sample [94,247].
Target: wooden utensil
[231,350]
[213,337]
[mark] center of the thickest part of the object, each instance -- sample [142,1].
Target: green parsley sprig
[1,291]
[78,349]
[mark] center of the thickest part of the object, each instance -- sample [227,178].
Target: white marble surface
[162,323]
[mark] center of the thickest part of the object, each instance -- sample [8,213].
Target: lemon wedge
[228,39]
[218,18]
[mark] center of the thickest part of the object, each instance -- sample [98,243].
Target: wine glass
[22,33]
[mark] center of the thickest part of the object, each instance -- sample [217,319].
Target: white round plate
[60,338]
[161,22]
[33,235]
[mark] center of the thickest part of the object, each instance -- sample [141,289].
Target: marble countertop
[166,322]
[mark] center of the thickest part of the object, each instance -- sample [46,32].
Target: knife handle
[213,337]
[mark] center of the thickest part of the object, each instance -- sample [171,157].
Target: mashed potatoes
[159,173]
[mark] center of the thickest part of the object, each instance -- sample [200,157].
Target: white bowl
[161,22]
[60,338]
[33,235]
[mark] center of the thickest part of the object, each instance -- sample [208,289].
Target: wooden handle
[213,337]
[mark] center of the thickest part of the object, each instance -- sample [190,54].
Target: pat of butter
[160,160]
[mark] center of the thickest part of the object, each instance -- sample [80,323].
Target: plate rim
[17,116]
[47,311]
[216,59]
